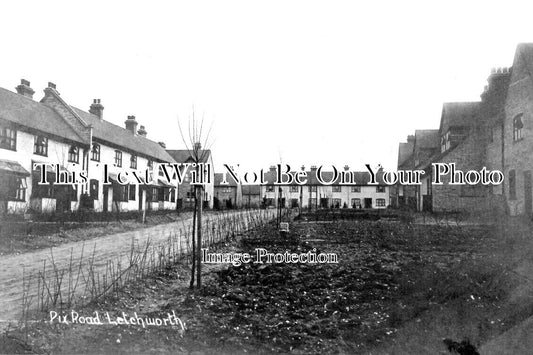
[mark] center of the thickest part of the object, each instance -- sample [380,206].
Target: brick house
[517,133]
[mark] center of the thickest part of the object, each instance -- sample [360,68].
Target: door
[106,199]
[527,192]
[368,203]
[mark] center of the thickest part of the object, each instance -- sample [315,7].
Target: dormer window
[95,152]
[73,155]
[517,127]
[40,145]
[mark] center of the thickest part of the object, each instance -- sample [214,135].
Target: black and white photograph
[266,177]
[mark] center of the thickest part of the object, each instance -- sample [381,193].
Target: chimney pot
[97,109]
[197,146]
[131,124]
[51,85]
[24,89]
[142,131]
[162,144]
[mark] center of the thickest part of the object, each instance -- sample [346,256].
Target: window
[150,164]
[445,142]
[173,194]
[133,162]
[336,202]
[131,194]
[95,152]
[336,188]
[155,194]
[118,158]
[40,145]
[512,185]
[356,203]
[312,188]
[517,127]
[8,138]
[42,190]
[13,187]
[312,202]
[293,189]
[380,202]
[270,188]
[380,189]
[356,188]
[491,135]
[73,155]
[120,192]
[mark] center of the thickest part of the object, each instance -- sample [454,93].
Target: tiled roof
[26,112]
[12,167]
[427,138]
[109,132]
[184,155]
[230,180]
[405,150]
[251,189]
[458,114]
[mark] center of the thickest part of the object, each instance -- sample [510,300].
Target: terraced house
[315,194]
[495,132]
[51,131]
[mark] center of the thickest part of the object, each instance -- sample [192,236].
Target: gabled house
[518,134]
[185,195]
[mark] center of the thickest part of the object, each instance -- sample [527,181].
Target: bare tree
[199,154]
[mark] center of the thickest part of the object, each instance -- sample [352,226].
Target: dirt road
[115,248]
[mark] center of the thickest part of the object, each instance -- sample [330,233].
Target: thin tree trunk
[199,252]
[191,285]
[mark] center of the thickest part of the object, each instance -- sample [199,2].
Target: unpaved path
[112,248]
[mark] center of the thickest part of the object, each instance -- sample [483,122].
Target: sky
[298,82]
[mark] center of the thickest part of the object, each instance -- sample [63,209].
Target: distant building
[227,195]
[315,194]
[185,189]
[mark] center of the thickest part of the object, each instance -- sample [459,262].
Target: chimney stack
[24,89]
[131,124]
[142,131]
[97,109]
[410,138]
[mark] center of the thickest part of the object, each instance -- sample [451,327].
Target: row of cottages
[495,132]
[313,194]
[51,131]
